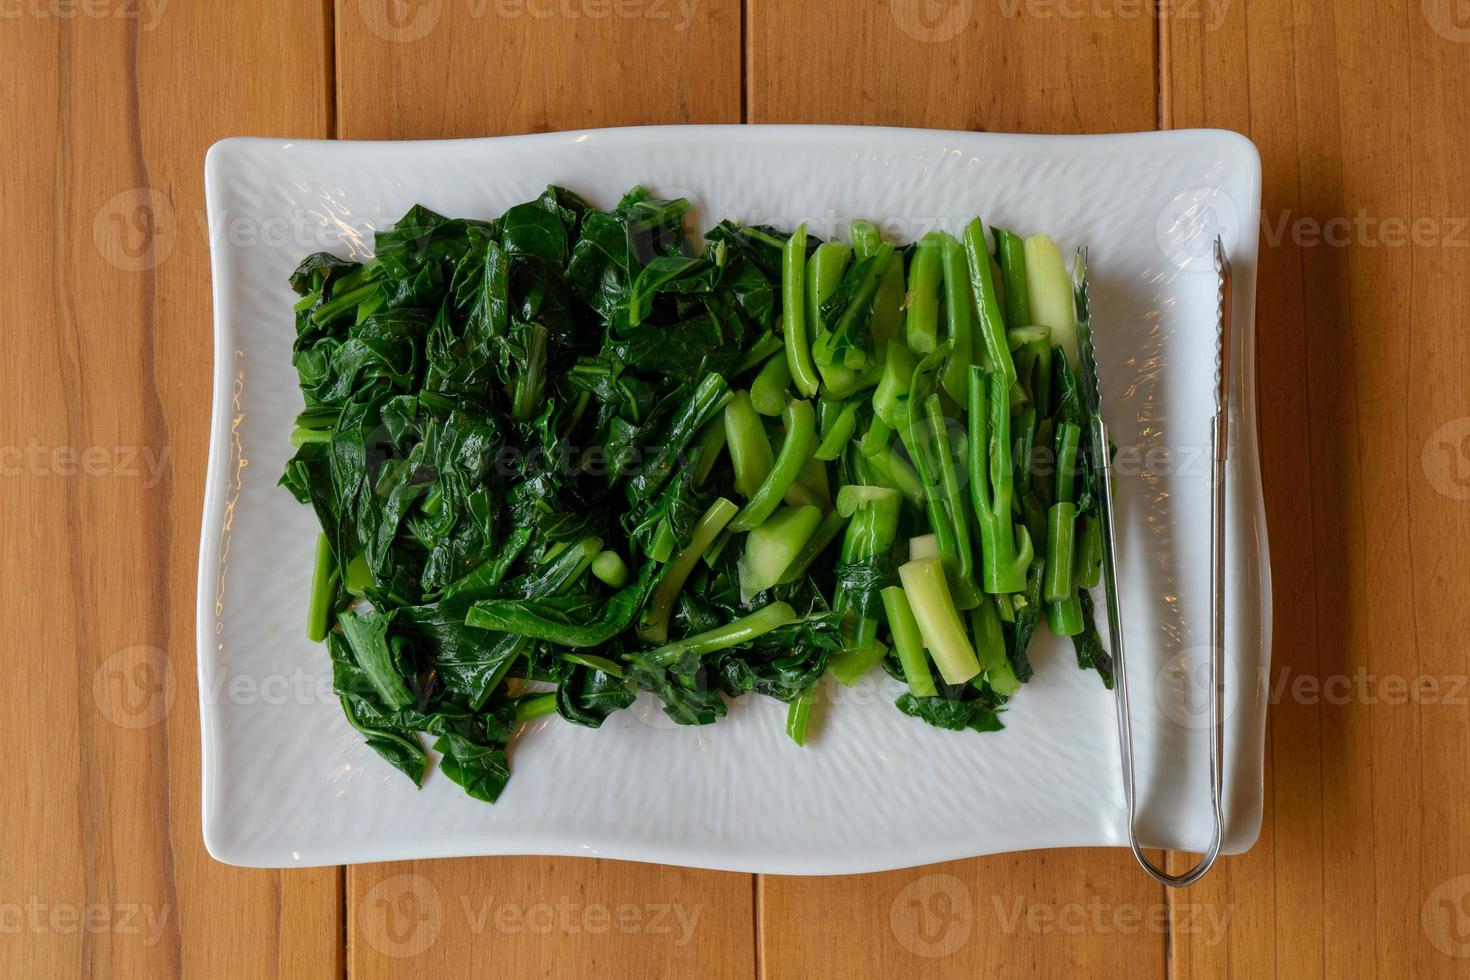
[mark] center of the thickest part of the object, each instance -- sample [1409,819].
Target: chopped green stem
[923,546]
[533,706]
[927,438]
[1089,553]
[865,237]
[1010,251]
[934,610]
[890,398]
[610,569]
[300,436]
[769,390]
[1065,618]
[653,627]
[826,532]
[760,351]
[592,660]
[871,532]
[1061,519]
[797,714]
[324,579]
[992,328]
[848,666]
[796,448]
[1052,302]
[711,445]
[990,649]
[1031,353]
[732,634]
[888,303]
[1006,550]
[793,309]
[835,440]
[750,450]
[908,643]
[771,548]
[955,374]
[921,324]
[824,275]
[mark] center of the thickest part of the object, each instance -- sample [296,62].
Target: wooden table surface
[1360,111]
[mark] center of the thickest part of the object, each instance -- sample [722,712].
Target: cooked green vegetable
[527,441]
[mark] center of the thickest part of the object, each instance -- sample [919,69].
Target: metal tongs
[1102,461]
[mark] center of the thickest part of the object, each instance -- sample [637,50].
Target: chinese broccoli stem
[841,431]
[1005,548]
[954,377]
[1059,590]
[324,580]
[872,528]
[798,712]
[793,312]
[1031,353]
[908,643]
[1089,553]
[796,448]
[1010,253]
[826,532]
[921,322]
[731,634]
[711,444]
[653,626]
[891,395]
[768,391]
[825,270]
[610,569]
[771,548]
[1052,302]
[927,591]
[533,706]
[990,648]
[750,450]
[992,329]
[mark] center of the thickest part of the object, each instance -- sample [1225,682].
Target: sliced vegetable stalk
[1052,302]
[793,311]
[987,307]
[796,449]
[653,627]
[1005,547]
[771,548]
[927,591]
[908,642]
[1059,590]
[865,565]
[921,322]
[750,450]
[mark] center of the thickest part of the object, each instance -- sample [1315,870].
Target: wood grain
[1080,913]
[1363,868]
[433,69]
[106,394]
[987,65]
[502,67]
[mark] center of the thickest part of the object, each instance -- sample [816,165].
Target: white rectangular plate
[287,782]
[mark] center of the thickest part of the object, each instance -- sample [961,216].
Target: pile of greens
[567,455]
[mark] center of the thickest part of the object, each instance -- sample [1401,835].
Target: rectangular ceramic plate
[287,782]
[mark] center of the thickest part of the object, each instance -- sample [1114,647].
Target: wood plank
[1359,112]
[959,66]
[432,69]
[500,67]
[1006,66]
[549,917]
[105,423]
